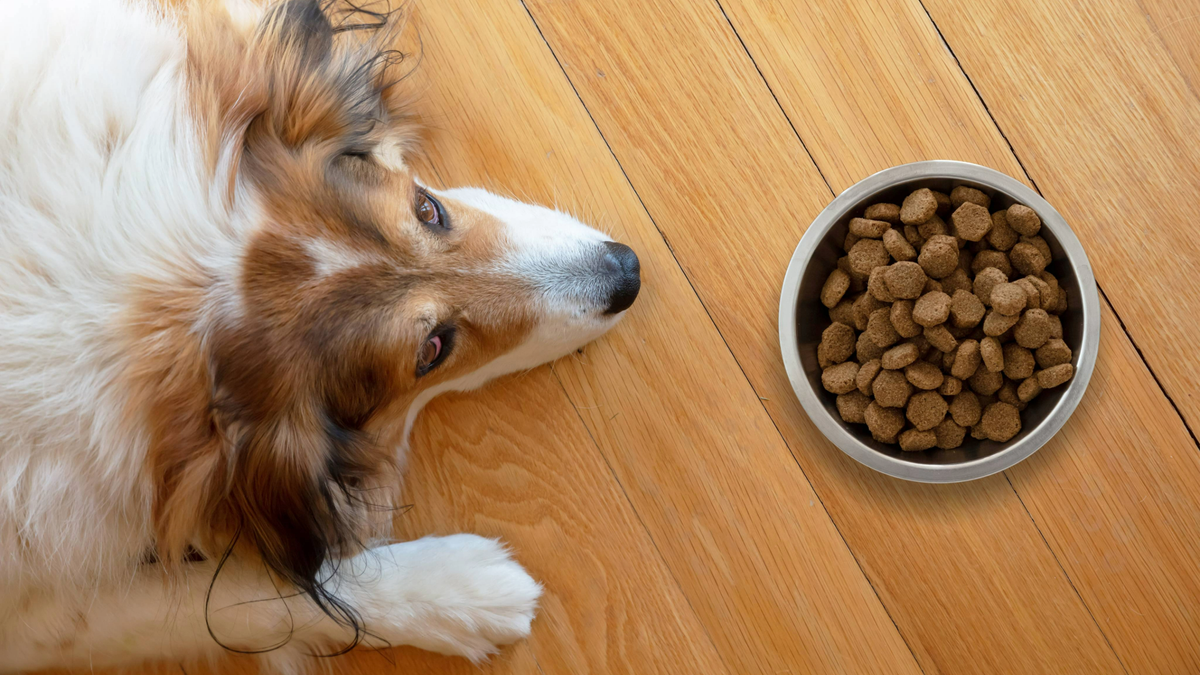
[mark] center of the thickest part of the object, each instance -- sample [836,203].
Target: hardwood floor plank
[1106,125]
[733,515]
[731,188]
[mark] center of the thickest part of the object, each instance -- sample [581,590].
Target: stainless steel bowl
[802,317]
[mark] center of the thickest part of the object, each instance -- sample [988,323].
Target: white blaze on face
[564,261]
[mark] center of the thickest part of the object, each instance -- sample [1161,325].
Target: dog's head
[357,294]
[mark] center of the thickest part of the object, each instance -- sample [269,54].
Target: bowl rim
[809,398]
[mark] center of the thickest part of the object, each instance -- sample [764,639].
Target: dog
[224,299]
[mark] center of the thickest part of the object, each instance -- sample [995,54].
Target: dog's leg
[460,595]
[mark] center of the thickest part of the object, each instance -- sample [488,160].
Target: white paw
[462,595]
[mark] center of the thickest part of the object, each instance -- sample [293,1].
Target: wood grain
[732,514]
[1106,125]
[733,198]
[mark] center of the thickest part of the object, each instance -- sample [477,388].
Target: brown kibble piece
[1041,245]
[931,309]
[996,324]
[963,194]
[902,319]
[866,349]
[966,360]
[1001,236]
[877,287]
[868,229]
[850,240]
[900,356]
[1018,362]
[913,236]
[1033,330]
[880,330]
[1062,302]
[889,213]
[891,389]
[1055,375]
[926,409]
[978,433]
[932,227]
[985,382]
[940,338]
[1056,327]
[944,205]
[924,375]
[885,423]
[997,259]
[835,287]
[1026,259]
[966,309]
[1001,421]
[1054,353]
[898,247]
[843,312]
[840,379]
[838,342]
[971,221]
[958,280]
[914,440]
[864,306]
[987,279]
[931,285]
[905,280]
[951,386]
[1008,393]
[1029,390]
[918,207]
[852,407]
[950,434]
[965,409]
[1023,219]
[992,353]
[939,256]
[866,375]
[866,255]
[1033,297]
[1008,299]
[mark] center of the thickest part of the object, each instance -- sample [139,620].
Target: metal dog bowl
[802,317]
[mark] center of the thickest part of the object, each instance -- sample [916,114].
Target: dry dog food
[944,320]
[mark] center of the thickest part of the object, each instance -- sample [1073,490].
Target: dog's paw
[461,595]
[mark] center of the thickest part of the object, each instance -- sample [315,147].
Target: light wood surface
[666,487]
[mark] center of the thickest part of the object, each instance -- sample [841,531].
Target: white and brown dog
[224,297]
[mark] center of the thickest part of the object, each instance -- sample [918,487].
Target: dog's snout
[622,263]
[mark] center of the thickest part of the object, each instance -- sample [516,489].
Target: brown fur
[279,423]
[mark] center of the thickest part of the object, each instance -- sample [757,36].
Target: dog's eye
[435,349]
[429,211]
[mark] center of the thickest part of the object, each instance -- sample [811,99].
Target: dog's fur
[221,293]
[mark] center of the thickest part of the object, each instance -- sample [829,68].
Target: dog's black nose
[622,263]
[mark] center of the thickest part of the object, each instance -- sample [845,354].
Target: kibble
[932,309]
[944,320]
[1001,237]
[900,356]
[915,440]
[884,424]
[852,407]
[939,256]
[868,229]
[1001,421]
[971,221]
[924,375]
[840,379]
[905,280]
[902,319]
[1023,219]
[837,341]
[891,389]
[1055,375]
[926,409]
[889,213]
[992,353]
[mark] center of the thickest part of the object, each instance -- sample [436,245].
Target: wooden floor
[683,513]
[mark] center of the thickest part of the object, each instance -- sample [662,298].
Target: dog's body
[177,228]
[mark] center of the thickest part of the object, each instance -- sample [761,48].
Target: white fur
[102,182]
